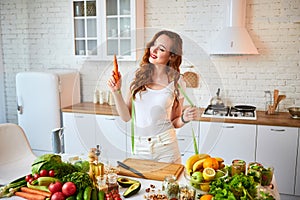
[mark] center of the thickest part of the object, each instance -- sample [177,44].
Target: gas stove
[231,112]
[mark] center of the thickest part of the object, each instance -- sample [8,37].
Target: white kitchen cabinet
[103,28]
[277,146]
[185,139]
[85,131]
[228,141]
[111,134]
[79,133]
[297,185]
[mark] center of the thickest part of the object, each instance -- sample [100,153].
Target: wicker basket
[191,79]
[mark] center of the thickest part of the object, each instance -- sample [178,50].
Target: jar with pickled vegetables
[238,167]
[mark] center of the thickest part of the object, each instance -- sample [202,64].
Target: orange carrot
[30,196]
[116,70]
[35,191]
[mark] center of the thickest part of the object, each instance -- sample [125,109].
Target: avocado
[126,182]
[133,189]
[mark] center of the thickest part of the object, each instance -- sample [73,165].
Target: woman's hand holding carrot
[114,82]
[116,69]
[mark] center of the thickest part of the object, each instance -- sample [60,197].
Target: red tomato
[108,195]
[36,176]
[28,177]
[43,172]
[58,196]
[51,173]
[68,189]
[30,180]
[55,187]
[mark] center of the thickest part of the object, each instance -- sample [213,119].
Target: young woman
[157,100]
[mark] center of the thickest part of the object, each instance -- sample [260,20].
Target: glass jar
[170,187]
[267,176]
[254,170]
[238,167]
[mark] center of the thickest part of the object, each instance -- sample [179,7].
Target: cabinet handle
[181,139]
[227,126]
[110,118]
[277,130]
[79,116]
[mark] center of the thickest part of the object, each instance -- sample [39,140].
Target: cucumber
[79,195]
[71,198]
[87,193]
[101,195]
[94,195]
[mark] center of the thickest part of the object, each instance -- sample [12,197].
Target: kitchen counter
[280,119]
[145,183]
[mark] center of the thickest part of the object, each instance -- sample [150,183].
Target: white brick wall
[37,35]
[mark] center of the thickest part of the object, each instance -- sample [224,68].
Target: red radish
[55,187]
[68,189]
[58,196]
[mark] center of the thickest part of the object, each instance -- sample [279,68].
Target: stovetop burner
[234,112]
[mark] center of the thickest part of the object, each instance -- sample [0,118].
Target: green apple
[195,185]
[196,177]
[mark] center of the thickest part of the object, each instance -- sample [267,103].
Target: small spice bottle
[170,187]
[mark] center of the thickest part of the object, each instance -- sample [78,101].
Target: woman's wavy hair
[143,75]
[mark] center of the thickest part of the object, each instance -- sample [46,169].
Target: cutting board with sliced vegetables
[151,169]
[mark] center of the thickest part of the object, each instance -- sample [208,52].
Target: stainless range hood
[234,38]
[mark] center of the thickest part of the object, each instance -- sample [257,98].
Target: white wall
[2,94]
[38,34]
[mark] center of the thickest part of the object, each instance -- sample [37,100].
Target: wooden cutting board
[152,170]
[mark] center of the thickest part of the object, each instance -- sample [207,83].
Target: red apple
[55,187]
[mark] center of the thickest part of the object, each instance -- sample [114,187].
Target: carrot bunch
[33,194]
[116,70]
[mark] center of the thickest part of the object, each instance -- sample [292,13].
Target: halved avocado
[133,189]
[126,182]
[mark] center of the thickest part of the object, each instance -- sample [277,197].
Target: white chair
[16,155]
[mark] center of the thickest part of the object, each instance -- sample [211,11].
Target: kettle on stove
[217,101]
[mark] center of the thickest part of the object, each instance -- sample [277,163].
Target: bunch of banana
[190,162]
[195,163]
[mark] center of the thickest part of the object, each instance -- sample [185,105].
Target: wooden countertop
[280,119]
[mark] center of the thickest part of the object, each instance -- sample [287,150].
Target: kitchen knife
[131,169]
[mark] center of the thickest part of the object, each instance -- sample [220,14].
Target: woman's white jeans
[162,147]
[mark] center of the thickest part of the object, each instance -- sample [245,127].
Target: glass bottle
[170,187]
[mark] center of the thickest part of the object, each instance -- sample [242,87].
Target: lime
[209,174]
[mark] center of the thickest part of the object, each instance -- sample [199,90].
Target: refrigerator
[40,97]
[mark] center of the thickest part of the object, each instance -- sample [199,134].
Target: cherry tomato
[28,177]
[36,176]
[30,180]
[51,173]
[43,172]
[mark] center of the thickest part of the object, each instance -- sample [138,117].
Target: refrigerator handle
[20,109]
[19,106]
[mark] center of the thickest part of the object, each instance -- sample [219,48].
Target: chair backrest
[14,144]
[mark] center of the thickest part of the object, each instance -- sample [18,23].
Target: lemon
[209,174]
